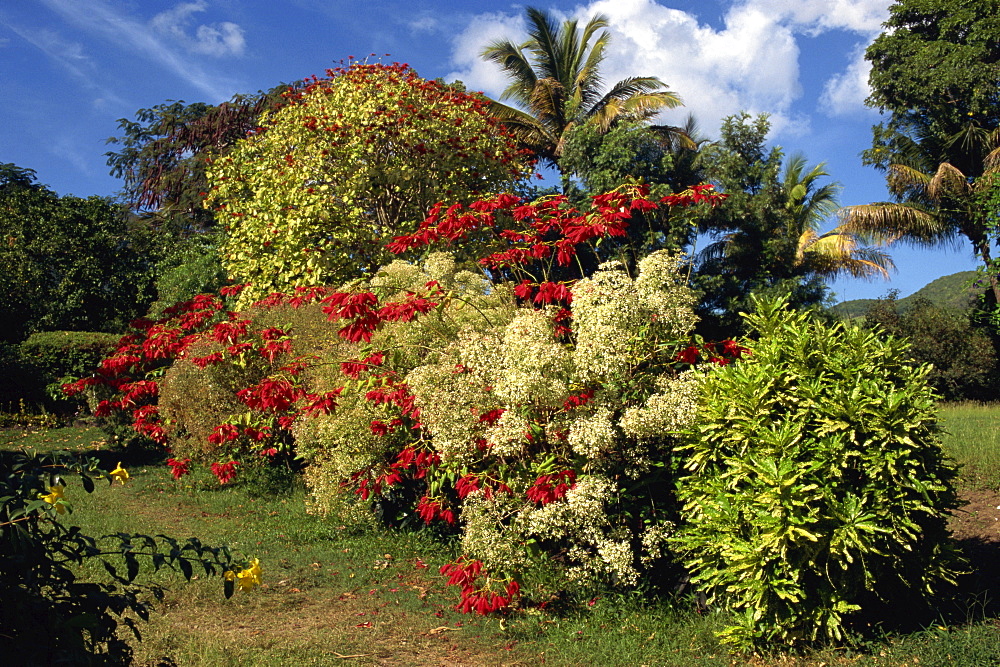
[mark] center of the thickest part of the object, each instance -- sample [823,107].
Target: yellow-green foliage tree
[315,193]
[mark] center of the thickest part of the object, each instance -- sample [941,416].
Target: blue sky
[72,68]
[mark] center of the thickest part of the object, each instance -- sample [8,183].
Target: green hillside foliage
[957,291]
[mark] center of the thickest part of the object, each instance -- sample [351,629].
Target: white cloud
[424,24]
[816,16]
[219,39]
[751,63]
[482,30]
[100,19]
[69,55]
[845,93]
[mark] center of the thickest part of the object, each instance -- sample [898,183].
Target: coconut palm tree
[839,251]
[768,237]
[797,247]
[555,77]
[937,203]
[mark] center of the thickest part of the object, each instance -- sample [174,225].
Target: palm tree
[789,243]
[937,203]
[839,251]
[555,77]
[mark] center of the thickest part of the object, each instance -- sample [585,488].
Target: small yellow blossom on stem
[246,578]
[54,497]
[119,473]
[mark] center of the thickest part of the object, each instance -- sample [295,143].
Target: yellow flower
[54,497]
[246,578]
[119,473]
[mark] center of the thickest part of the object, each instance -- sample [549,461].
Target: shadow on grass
[977,595]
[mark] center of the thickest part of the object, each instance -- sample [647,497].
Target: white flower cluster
[613,315]
[507,437]
[344,436]
[440,267]
[535,367]
[482,353]
[597,548]
[666,412]
[448,403]
[488,534]
[654,542]
[327,498]
[661,288]
[607,318]
[593,436]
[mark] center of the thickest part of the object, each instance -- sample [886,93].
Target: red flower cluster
[271,395]
[548,488]
[178,468]
[225,471]
[429,509]
[722,353]
[576,400]
[472,482]
[465,573]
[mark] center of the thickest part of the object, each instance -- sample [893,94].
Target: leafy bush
[50,616]
[346,163]
[191,267]
[57,357]
[66,262]
[817,485]
[537,419]
[27,418]
[18,381]
[963,356]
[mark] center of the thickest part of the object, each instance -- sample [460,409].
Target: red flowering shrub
[439,399]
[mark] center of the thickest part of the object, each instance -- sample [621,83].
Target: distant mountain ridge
[955,291]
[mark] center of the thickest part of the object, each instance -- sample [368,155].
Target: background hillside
[953,291]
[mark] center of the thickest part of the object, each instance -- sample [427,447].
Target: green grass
[972,437]
[340,595]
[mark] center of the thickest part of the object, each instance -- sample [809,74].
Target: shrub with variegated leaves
[816,488]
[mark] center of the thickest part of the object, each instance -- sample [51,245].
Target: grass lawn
[334,595]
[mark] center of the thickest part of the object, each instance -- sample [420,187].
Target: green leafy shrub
[191,267]
[18,383]
[27,418]
[537,419]
[963,356]
[817,485]
[49,615]
[57,357]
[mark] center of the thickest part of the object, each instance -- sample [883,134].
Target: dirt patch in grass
[979,519]
[976,528]
[329,624]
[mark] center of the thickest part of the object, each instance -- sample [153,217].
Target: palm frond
[865,263]
[947,181]
[902,178]
[587,79]
[548,104]
[527,129]
[884,223]
[515,65]
[543,41]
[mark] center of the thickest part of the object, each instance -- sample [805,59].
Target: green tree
[768,236]
[67,263]
[936,73]
[346,164]
[555,78]
[636,152]
[163,154]
[961,355]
